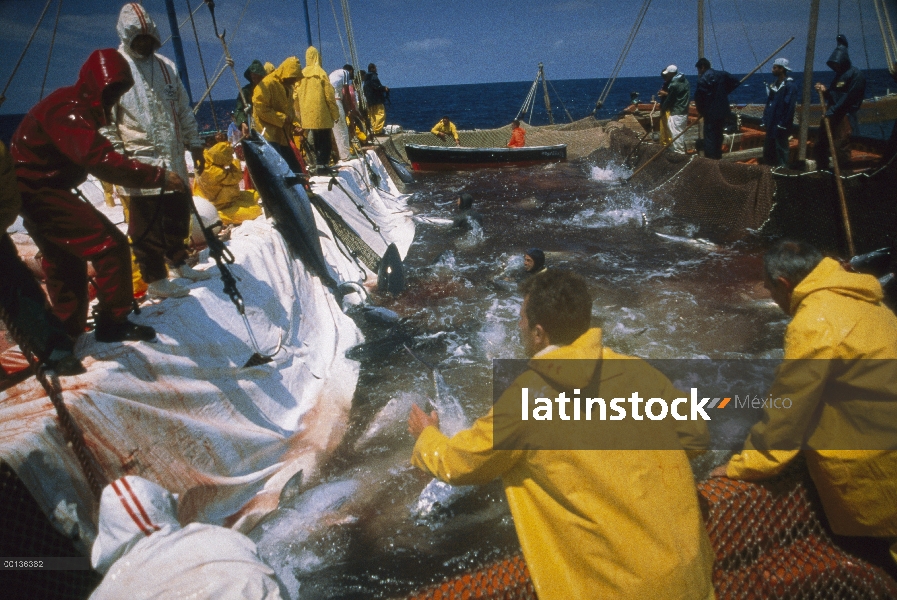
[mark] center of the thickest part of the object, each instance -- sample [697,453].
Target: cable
[715,40]
[50,52]
[202,65]
[744,28]
[627,46]
[184,22]
[561,101]
[340,34]
[25,51]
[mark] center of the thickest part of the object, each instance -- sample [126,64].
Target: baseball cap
[671,69]
[782,62]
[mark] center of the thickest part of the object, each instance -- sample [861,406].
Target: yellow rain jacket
[593,524]
[315,99]
[273,106]
[844,402]
[441,128]
[219,183]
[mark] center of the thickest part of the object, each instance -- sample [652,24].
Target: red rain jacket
[59,143]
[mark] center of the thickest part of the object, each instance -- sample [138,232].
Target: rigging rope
[182,23]
[626,47]
[350,37]
[24,51]
[320,44]
[715,40]
[202,65]
[881,125]
[744,28]
[50,52]
[340,34]
[561,101]
[884,38]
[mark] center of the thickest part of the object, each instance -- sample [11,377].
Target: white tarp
[183,412]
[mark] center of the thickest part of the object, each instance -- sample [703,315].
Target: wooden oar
[838,183]
[743,79]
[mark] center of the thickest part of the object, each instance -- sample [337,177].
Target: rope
[236,30]
[561,101]
[50,52]
[626,48]
[889,54]
[744,28]
[350,38]
[202,65]
[209,89]
[340,34]
[715,40]
[182,24]
[529,99]
[318,10]
[881,125]
[27,45]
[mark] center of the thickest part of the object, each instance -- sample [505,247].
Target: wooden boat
[442,158]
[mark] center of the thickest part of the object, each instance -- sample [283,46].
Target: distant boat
[441,158]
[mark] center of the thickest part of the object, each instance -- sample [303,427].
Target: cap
[670,69]
[782,62]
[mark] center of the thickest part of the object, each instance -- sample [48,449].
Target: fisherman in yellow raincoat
[219,183]
[272,105]
[315,105]
[840,376]
[621,524]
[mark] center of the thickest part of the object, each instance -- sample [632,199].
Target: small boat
[441,158]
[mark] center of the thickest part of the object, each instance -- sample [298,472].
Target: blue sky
[425,42]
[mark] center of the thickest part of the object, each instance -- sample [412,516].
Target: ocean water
[487,105]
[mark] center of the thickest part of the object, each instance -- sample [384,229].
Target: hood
[313,64]
[133,20]
[558,365]
[830,275]
[131,509]
[839,61]
[255,68]
[288,68]
[221,154]
[269,68]
[102,69]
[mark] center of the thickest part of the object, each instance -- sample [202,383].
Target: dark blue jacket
[712,95]
[848,88]
[780,105]
[374,91]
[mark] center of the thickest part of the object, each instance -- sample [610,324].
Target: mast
[700,28]
[545,91]
[307,23]
[178,48]
[807,99]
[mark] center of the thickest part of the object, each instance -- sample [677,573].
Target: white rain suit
[153,121]
[341,81]
[144,553]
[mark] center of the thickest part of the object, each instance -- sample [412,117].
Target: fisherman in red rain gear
[518,135]
[55,147]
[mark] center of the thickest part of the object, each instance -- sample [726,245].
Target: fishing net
[768,539]
[582,138]
[357,247]
[28,533]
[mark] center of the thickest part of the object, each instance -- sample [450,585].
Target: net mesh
[357,247]
[768,539]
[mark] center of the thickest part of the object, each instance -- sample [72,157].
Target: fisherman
[712,102]
[275,117]
[840,376]
[621,524]
[341,80]
[534,261]
[21,298]
[518,135]
[375,94]
[154,123]
[315,102]
[468,217]
[242,111]
[778,116]
[144,552]
[445,128]
[219,183]
[842,99]
[57,144]
[674,105]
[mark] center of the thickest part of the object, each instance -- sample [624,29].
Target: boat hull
[439,158]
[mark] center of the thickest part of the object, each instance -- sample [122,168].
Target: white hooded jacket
[153,121]
[144,553]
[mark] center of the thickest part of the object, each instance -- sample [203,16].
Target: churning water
[369,531]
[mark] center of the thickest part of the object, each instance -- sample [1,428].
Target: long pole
[681,133]
[807,100]
[307,22]
[839,184]
[545,92]
[178,47]
[700,28]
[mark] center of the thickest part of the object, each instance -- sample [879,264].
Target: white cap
[782,62]
[670,69]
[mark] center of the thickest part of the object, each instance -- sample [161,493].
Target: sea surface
[488,105]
